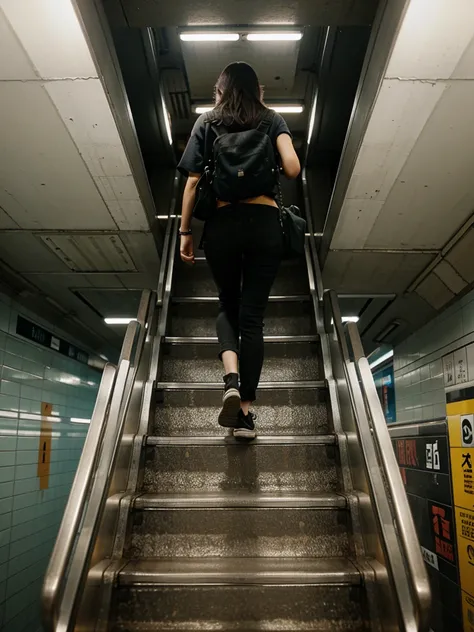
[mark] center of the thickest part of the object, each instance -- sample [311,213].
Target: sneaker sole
[243,433]
[230,409]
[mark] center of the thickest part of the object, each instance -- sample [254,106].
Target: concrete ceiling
[71,215]
[141,13]
[411,189]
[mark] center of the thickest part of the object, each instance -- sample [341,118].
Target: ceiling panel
[221,12]
[368,272]
[465,68]
[44,184]
[56,52]
[434,291]
[6,221]
[24,252]
[426,45]
[460,256]
[91,253]
[434,193]
[14,62]
[450,277]
[111,302]
[205,61]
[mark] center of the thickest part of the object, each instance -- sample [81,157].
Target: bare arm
[289,160]
[189,198]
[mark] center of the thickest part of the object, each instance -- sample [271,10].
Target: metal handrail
[404,520]
[77,499]
[397,529]
[72,552]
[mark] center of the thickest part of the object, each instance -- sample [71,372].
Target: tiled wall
[419,377]
[30,516]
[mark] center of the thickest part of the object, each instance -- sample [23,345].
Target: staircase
[225,535]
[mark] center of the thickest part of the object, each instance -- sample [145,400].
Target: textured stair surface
[280,412]
[196,281]
[290,466]
[234,594]
[283,362]
[230,535]
[199,319]
[196,526]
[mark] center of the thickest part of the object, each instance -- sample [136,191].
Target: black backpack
[245,164]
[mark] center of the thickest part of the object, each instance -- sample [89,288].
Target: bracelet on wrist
[184,233]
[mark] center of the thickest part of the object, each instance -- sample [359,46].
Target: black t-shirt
[192,160]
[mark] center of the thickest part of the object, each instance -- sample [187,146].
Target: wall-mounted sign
[45,338]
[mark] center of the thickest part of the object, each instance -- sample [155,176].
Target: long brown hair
[239,96]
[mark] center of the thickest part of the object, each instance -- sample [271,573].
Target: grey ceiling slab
[222,12]
[369,272]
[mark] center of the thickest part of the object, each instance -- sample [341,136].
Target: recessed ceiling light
[287,109]
[275,37]
[385,356]
[209,37]
[118,321]
[282,109]
[350,319]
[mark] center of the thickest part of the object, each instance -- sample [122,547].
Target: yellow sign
[468,612]
[44,448]
[462,462]
[465,538]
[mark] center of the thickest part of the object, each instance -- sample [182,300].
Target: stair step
[274,298]
[281,318]
[278,440]
[286,362]
[237,500]
[218,386]
[197,280]
[240,571]
[212,340]
[268,464]
[286,412]
[230,524]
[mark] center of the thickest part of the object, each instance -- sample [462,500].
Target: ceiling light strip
[284,36]
[281,109]
[209,37]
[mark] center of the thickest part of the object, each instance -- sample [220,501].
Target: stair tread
[322,439]
[218,386]
[210,340]
[239,499]
[258,570]
[215,299]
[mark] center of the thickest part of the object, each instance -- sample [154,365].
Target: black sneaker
[228,417]
[246,426]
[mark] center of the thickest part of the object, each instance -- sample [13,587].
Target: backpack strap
[208,144]
[266,122]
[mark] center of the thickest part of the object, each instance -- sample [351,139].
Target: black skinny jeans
[243,244]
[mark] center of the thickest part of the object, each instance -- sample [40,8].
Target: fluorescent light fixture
[104,357]
[79,420]
[287,109]
[118,321]
[284,36]
[281,109]
[385,356]
[350,319]
[203,109]
[209,37]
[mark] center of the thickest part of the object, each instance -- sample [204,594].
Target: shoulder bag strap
[266,122]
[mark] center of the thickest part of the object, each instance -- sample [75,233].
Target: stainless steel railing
[396,529]
[74,545]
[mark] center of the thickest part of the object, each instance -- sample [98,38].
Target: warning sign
[443,532]
[462,460]
[465,532]
[468,612]
[467,430]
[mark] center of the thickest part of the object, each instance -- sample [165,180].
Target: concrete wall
[30,516]
[420,376]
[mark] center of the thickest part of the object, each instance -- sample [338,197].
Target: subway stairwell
[225,535]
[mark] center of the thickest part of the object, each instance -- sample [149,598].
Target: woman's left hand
[186,249]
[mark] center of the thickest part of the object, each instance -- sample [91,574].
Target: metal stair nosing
[240,571]
[211,340]
[217,386]
[239,500]
[265,440]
